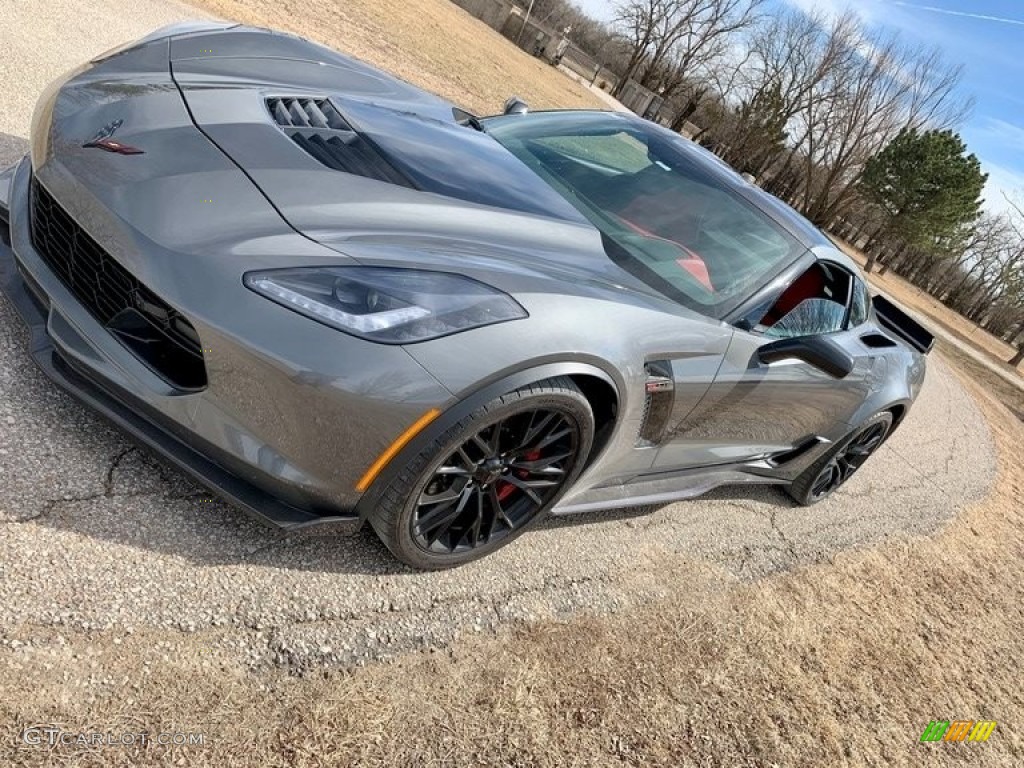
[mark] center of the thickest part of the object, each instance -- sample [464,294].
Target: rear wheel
[827,475]
[481,483]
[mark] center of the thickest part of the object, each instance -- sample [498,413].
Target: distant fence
[534,38]
[580,63]
[540,40]
[640,100]
[493,13]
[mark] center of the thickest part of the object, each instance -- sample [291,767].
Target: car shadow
[181,520]
[148,504]
[735,493]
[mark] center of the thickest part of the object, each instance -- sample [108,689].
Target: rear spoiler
[902,325]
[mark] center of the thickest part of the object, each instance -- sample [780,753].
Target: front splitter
[142,424]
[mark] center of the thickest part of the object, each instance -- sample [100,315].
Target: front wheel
[482,482]
[827,474]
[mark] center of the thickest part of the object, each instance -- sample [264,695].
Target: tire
[483,481]
[831,471]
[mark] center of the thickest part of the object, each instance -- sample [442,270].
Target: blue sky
[987,37]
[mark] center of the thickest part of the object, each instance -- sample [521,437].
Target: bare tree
[1013,282]
[789,57]
[639,22]
[591,35]
[702,33]
[843,92]
[672,40]
[803,102]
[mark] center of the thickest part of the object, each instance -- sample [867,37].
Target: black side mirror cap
[821,352]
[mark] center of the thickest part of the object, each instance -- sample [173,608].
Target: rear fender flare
[869,409]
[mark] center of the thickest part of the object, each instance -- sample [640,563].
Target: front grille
[319,129]
[153,330]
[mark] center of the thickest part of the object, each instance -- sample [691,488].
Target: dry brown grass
[431,43]
[1010,395]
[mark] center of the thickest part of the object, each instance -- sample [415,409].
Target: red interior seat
[809,285]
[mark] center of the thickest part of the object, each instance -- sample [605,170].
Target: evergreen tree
[928,188]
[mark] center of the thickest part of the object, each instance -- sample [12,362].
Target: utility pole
[526,20]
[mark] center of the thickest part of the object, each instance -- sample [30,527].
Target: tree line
[854,127]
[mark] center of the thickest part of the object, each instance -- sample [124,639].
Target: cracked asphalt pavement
[97,534]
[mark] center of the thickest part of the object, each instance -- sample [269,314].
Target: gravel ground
[97,535]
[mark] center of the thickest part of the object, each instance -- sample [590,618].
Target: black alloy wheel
[496,481]
[486,479]
[829,473]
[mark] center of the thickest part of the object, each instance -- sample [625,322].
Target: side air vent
[801,449]
[877,341]
[658,401]
[319,129]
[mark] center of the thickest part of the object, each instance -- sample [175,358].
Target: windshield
[668,215]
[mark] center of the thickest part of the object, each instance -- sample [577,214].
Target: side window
[815,303]
[811,317]
[860,304]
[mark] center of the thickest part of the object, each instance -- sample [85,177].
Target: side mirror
[515,106]
[820,351]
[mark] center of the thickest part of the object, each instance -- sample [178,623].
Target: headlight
[392,306]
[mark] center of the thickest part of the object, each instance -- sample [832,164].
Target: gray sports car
[335,298]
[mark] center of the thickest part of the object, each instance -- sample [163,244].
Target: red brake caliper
[506,489]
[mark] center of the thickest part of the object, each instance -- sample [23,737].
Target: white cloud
[962,14]
[1002,182]
[1001,133]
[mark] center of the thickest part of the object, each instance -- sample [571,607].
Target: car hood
[192,107]
[461,194]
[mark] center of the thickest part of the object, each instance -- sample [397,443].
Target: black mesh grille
[153,330]
[318,128]
[646,415]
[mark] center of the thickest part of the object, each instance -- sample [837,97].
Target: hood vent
[319,129]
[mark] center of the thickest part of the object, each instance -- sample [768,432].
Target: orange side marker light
[400,442]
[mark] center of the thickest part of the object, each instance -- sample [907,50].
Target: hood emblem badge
[102,140]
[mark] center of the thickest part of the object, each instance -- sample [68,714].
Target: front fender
[469,401]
